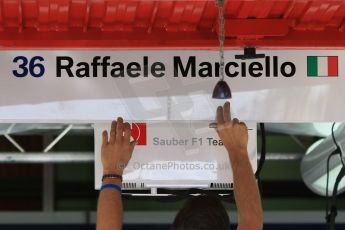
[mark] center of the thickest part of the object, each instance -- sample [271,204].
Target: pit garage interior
[47,169]
[58,189]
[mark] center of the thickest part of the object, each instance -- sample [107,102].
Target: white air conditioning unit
[175,155]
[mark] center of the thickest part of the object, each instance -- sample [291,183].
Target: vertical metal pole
[48,187]
[48,181]
[48,171]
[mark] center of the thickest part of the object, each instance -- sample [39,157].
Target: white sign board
[176,155]
[98,85]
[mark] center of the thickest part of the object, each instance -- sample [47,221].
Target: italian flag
[322,66]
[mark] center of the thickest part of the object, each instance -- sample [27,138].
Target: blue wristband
[113,186]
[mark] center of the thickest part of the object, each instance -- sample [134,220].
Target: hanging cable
[327,184]
[222,89]
[337,145]
[221,36]
[331,206]
[263,150]
[262,155]
[327,170]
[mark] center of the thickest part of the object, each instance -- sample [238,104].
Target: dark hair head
[202,213]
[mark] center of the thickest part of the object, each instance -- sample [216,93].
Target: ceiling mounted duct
[314,163]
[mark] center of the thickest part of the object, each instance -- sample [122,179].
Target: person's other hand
[117,150]
[233,133]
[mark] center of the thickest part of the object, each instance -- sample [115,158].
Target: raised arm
[116,152]
[234,135]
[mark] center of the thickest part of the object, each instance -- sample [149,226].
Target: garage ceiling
[170,24]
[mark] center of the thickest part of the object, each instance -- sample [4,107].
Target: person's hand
[117,150]
[233,133]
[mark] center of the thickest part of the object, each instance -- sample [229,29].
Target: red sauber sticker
[139,133]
